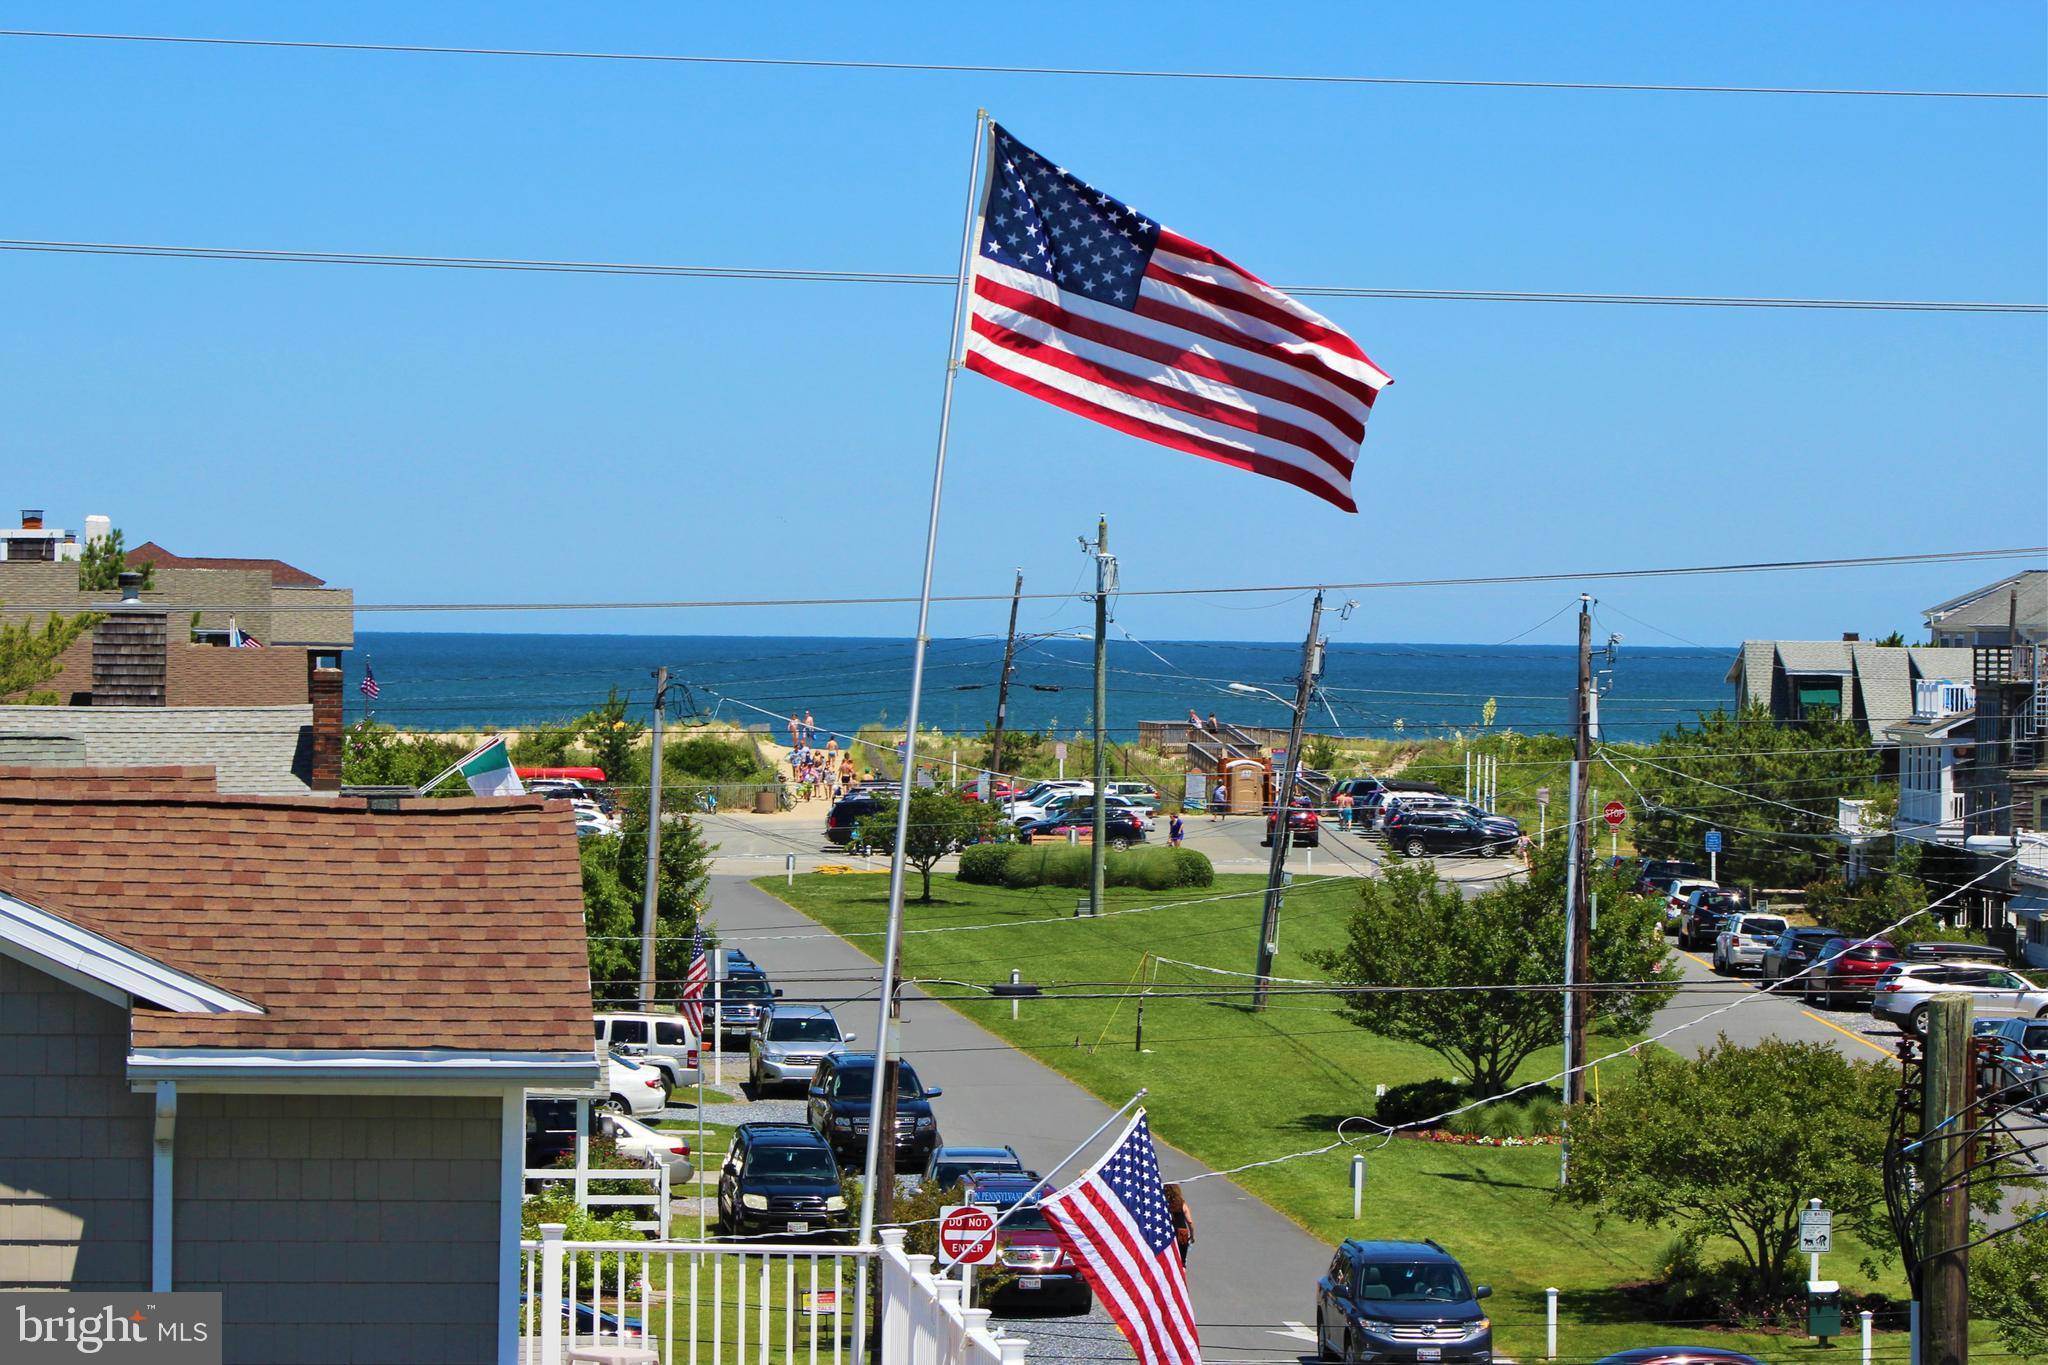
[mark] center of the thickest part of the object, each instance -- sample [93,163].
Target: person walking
[1344,810]
[1183,1220]
[1175,830]
[1219,800]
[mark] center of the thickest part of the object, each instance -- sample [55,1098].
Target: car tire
[614,1104]
[1323,1352]
[1415,848]
[1117,843]
[1916,1022]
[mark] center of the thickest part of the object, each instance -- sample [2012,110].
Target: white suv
[1743,940]
[1904,992]
[662,1041]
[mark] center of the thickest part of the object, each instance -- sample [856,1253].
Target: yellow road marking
[1697,958]
[1846,1033]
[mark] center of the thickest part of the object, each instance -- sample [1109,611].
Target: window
[671,1034]
[629,1030]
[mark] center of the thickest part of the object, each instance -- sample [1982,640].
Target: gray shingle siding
[255,750]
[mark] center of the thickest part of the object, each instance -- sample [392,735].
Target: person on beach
[1175,830]
[810,729]
[1183,1220]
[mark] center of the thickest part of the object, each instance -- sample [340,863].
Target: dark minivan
[837,1107]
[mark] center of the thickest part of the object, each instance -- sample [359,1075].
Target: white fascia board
[38,937]
[426,1065]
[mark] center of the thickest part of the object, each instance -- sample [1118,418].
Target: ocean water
[459,681]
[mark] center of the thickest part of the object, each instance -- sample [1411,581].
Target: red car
[998,792]
[1848,970]
[1304,826]
[1027,1247]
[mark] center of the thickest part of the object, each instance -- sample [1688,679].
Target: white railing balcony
[1929,817]
[2032,863]
[1936,698]
[1853,818]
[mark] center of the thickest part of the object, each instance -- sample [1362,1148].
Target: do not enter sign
[1614,813]
[966,1235]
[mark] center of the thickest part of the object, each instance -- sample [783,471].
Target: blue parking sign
[1713,841]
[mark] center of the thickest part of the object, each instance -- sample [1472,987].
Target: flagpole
[458,765]
[892,940]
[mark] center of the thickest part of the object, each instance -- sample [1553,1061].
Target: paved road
[1251,1265]
[1761,1015]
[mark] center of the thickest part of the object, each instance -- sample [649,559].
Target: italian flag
[488,771]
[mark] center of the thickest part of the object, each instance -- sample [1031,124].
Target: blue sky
[455,436]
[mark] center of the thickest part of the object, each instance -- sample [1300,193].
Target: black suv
[779,1177]
[742,1002]
[837,1107]
[1401,1301]
[850,813]
[1704,912]
[1421,832]
[1654,874]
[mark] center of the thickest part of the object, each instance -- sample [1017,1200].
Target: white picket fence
[756,1303]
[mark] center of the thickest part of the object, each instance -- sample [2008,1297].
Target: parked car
[779,1177]
[851,821]
[1905,992]
[2018,1064]
[632,1088]
[1369,803]
[1143,795]
[837,1107]
[1501,824]
[1072,806]
[1656,873]
[1304,826]
[1743,938]
[1696,910]
[740,1002]
[1792,953]
[1120,829]
[1027,1247]
[951,1165]
[999,791]
[649,1145]
[790,1043]
[1419,833]
[1400,1301]
[1032,804]
[1848,969]
[663,1041]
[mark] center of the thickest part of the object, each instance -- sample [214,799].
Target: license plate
[799,1227]
[1030,1281]
[1429,1353]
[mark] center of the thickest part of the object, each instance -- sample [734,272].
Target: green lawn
[1230,1087]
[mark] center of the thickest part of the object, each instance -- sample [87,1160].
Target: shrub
[984,864]
[1419,1100]
[1539,1113]
[557,1204]
[709,759]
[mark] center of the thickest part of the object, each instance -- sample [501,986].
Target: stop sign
[1614,813]
[966,1235]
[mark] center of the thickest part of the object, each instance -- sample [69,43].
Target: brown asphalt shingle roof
[453,924]
[282,574]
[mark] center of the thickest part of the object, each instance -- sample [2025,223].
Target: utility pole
[884,1117]
[1578,871]
[1276,867]
[995,748]
[1945,1129]
[1105,571]
[653,845]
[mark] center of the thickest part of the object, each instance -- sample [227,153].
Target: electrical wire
[789,274]
[993,69]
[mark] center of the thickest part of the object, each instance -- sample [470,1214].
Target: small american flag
[239,639]
[1114,1223]
[692,1003]
[368,686]
[1085,303]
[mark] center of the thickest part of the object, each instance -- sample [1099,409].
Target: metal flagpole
[892,940]
[1045,1181]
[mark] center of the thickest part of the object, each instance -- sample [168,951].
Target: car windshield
[1762,924]
[746,988]
[1028,1217]
[950,1173]
[1415,1281]
[791,1163]
[803,1031]
[857,1082]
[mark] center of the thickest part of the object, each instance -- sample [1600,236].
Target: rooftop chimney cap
[1852,636]
[131,585]
[31,518]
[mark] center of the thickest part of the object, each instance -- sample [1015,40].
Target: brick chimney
[1851,636]
[128,649]
[323,689]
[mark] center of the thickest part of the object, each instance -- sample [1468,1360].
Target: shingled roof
[282,574]
[450,924]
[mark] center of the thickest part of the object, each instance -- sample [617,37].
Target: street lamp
[1246,689]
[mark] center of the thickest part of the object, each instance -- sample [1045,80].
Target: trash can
[765,802]
[1823,1308]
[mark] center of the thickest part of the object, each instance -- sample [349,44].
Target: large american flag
[1082,301]
[692,1003]
[1114,1223]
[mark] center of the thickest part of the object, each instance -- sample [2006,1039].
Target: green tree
[103,561]
[612,739]
[543,745]
[377,755]
[940,823]
[1319,752]
[2009,1283]
[707,758]
[614,886]
[1734,1142]
[1894,640]
[1770,789]
[1413,929]
[30,655]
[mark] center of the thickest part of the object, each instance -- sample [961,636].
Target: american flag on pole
[692,1003]
[1114,1223]
[368,686]
[1080,300]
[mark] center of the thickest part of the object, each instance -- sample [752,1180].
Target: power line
[907,277]
[1470,581]
[991,69]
